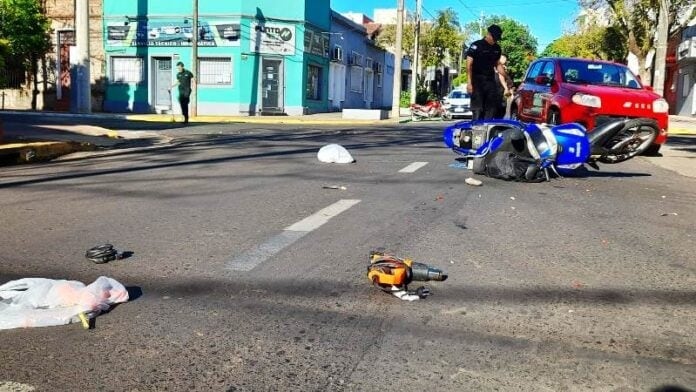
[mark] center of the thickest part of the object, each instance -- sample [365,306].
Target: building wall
[364,71]
[686,74]
[163,28]
[61,14]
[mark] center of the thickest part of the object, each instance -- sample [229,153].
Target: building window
[215,71]
[127,69]
[379,67]
[368,63]
[356,79]
[356,59]
[686,86]
[314,77]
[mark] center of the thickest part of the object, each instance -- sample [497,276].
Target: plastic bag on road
[38,302]
[334,153]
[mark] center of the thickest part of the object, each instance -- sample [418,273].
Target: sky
[547,20]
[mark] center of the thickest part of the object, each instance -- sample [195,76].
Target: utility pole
[396,97]
[83,94]
[194,62]
[415,66]
[661,47]
[481,24]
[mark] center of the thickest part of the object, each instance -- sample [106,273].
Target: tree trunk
[34,81]
[661,46]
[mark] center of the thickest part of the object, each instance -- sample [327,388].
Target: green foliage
[405,99]
[4,52]
[387,37]
[437,38]
[595,42]
[441,38]
[517,43]
[635,22]
[422,96]
[25,28]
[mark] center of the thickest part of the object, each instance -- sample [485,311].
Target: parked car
[589,92]
[457,104]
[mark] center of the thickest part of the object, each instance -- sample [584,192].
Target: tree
[442,38]
[387,35]
[26,29]
[594,42]
[639,21]
[517,43]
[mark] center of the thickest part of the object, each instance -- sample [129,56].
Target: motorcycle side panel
[574,146]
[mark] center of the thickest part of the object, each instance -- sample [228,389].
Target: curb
[680,131]
[39,151]
[255,120]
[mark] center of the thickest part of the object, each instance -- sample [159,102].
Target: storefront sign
[272,38]
[169,33]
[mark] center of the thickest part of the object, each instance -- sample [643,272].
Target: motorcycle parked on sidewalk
[513,150]
[431,109]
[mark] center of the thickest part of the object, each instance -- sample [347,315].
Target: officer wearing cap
[482,61]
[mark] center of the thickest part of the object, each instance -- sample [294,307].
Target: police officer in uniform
[482,61]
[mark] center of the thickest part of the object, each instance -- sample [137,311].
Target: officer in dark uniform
[482,61]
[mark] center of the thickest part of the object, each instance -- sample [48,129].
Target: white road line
[315,220]
[413,167]
[253,257]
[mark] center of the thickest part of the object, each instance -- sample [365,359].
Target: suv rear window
[596,73]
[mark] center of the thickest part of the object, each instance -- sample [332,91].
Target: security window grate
[215,71]
[127,69]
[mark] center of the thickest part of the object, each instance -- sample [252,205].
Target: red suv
[589,92]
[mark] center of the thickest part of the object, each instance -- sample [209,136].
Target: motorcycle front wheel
[636,136]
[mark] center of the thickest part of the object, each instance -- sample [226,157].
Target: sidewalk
[682,125]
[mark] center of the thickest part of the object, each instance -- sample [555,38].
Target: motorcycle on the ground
[431,109]
[527,152]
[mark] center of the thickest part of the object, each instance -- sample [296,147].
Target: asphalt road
[579,284]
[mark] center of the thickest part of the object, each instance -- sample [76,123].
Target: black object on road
[102,254]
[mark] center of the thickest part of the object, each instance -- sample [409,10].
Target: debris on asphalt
[439,198]
[459,165]
[39,302]
[577,284]
[392,274]
[104,253]
[473,181]
[664,197]
[512,197]
[339,187]
[669,213]
[334,153]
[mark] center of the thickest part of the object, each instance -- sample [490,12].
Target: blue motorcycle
[513,150]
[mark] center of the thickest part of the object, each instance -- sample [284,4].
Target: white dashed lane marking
[413,167]
[253,257]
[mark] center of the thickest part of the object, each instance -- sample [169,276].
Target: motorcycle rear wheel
[636,137]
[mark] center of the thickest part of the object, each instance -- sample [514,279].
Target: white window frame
[356,73]
[204,79]
[131,78]
[357,59]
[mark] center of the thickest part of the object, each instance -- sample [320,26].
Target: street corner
[32,152]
